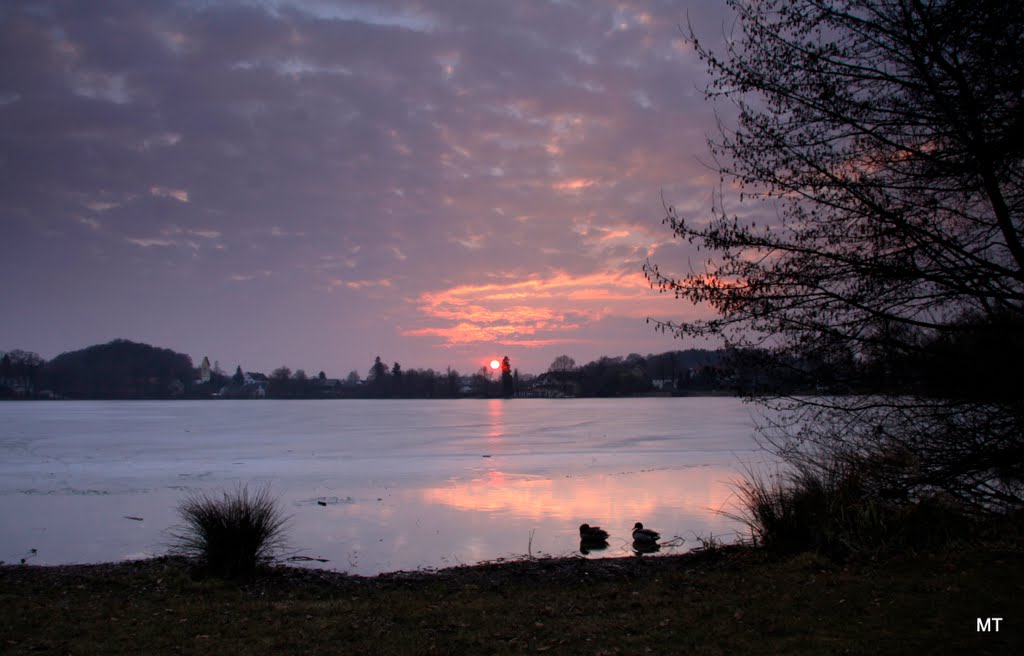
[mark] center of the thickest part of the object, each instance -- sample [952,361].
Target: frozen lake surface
[405,484]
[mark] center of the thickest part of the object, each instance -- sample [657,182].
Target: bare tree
[562,363]
[876,158]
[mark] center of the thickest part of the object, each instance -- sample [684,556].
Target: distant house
[176,388]
[252,377]
[255,385]
[556,384]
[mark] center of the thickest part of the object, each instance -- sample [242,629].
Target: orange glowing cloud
[574,184]
[535,311]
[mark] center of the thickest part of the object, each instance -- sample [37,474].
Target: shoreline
[729,600]
[523,567]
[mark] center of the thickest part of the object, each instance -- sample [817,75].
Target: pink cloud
[535,312]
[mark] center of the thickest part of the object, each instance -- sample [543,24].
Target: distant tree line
[381,382]
[122,369]
[117,370]
[18,373]
[395,382]
[692,371]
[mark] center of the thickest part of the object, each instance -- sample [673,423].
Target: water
[372,486]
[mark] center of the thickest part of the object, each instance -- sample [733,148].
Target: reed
[824,507]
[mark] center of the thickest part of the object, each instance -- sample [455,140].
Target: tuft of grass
[824,508]
[232,533]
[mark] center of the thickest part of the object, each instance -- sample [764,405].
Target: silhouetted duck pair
[595,537]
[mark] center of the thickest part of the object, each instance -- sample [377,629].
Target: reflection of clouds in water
[607,499]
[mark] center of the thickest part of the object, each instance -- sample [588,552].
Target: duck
[590,533]
[643,535]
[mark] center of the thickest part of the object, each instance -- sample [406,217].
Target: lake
[374,485]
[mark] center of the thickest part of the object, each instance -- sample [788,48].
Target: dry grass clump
[824,507]
[233,533]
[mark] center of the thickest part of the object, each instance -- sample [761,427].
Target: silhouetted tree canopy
[19,371]
[876,231]
[119,370]
[507,386]
[377,378]
[562,363]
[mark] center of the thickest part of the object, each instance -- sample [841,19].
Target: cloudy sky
[312,183]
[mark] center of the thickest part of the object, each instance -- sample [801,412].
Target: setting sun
[495,364]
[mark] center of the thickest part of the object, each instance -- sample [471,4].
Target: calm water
[404,484]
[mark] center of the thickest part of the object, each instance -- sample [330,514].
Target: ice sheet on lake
[404,484]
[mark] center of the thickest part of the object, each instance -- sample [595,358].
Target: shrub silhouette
[231,534]
[824,507]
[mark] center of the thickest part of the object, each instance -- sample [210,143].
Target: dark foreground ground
[736,601]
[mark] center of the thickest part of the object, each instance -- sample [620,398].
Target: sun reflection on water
[496,415]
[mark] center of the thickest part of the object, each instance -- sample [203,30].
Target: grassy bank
[738,601]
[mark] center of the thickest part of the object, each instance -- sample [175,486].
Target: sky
[311,184]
